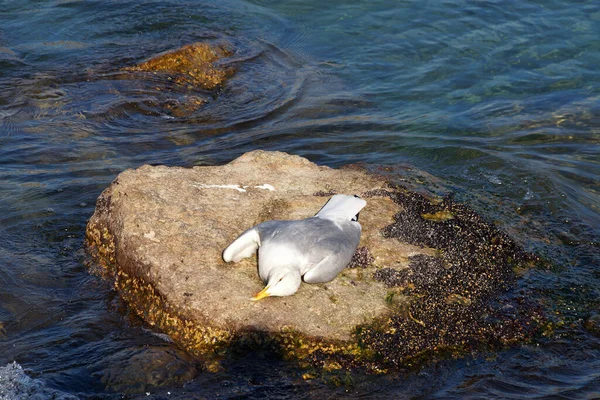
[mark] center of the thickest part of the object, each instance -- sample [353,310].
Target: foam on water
[15,384]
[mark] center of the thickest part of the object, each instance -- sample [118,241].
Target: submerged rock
[183,74]
[140,369]
[192,65]
[159,233]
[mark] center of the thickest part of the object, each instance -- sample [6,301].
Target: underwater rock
[140,369]
[159,233]
[192,65]
[185,75]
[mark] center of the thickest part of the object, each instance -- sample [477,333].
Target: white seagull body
[316,249]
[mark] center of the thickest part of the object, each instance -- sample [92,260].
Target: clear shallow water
[498,100]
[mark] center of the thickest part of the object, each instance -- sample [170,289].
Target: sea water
[494,101]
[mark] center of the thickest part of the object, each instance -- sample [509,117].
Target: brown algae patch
[200,340]
[192,65]
[443,215]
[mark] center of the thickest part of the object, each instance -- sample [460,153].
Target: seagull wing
[242,247]
[248,242]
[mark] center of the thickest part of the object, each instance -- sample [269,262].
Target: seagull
[316,248]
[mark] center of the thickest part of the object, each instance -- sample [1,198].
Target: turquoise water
[498,100]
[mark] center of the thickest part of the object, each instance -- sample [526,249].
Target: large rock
[159,233]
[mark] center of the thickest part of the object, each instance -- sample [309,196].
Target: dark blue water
[498,100]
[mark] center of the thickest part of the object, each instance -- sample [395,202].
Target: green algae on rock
[420,288]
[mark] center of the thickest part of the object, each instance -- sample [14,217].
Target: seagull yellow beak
[261,295]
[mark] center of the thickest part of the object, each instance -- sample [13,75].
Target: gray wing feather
[336,253]
[242,247]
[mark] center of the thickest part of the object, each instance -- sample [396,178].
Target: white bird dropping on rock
[316,248]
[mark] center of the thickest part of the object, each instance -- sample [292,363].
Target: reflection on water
[498,100]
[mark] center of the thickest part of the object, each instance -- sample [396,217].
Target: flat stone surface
[168,227]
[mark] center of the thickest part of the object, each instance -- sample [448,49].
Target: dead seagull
[316,248]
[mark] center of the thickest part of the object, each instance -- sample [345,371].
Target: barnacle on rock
[391,277]
[323,193]
[460,301]
[361,258]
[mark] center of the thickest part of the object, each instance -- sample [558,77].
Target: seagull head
[282,282]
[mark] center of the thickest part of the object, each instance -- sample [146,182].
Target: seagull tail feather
[242,247]
[341,206]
